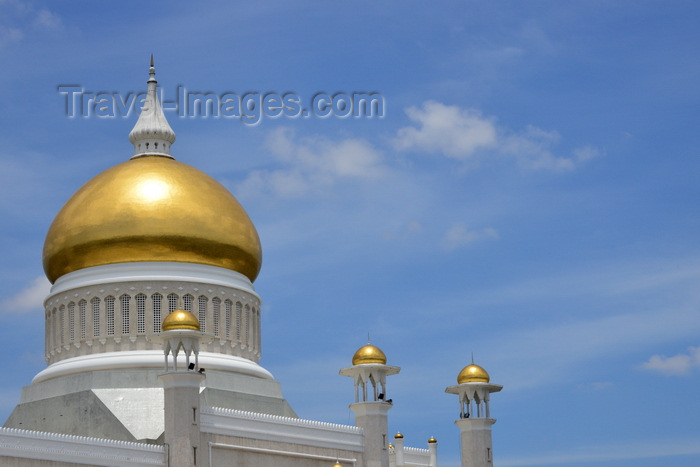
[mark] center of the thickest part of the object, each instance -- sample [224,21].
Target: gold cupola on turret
[180,320]
[473,373]
[369,354]
[152,208]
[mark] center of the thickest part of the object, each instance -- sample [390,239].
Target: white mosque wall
[234,437]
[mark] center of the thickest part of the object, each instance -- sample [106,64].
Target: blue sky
[530,195]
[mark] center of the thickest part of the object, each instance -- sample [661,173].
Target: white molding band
[239,423]
[152,271]
[147,359]
[27,444]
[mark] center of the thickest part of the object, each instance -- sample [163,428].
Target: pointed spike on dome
[152,134]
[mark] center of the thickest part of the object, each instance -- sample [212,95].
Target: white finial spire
[152,135]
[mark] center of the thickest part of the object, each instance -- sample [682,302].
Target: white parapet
[34,445]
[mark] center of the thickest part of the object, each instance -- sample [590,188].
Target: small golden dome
[432,440]
[368,354]
[398,436]
[180,320]
[473,374]
[338,464]
[152,208]
[391,446]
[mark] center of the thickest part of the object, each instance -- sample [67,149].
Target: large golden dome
[152,208]
[369,354]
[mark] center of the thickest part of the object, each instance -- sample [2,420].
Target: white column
[372,417]
[398,443]
[432,448]
[181,407]
[475,441]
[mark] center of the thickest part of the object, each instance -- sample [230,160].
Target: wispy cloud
[595,386]
[681,364]
[460,235]
[47,20]
[28,299]
[647,449]
[464,134]
[9,34]
[18,17]
[307,164]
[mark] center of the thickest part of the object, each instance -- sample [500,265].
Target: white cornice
[152,271]
[146,359]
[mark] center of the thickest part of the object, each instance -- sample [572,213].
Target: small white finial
[152,135]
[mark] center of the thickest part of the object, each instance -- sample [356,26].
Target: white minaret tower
[369,371]
[181,382]
[475,420]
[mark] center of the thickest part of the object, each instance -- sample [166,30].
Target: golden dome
[432,440]
[398,436]
[473,374]
[368,354]
[152,208]
[338,464]
[180,319]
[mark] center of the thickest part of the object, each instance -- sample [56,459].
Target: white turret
[369,368]
[181,387]
[475,420]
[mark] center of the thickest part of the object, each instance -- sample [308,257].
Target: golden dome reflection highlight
[152,208]
[151,190]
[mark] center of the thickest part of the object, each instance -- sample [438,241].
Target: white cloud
[460,235]
[464,133]
[28,299]
[312,163]
[455,132]
[680,364]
